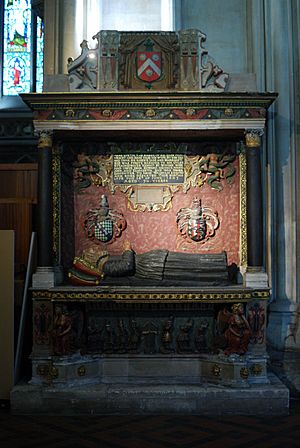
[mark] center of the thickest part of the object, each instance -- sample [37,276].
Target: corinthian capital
[45,139]
[253,137]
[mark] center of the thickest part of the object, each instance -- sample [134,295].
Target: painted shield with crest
[104,230]
[149,65]
[197,228]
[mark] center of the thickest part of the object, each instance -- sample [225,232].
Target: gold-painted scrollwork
[141,199]
[70,113]
[93,170]
[212,169]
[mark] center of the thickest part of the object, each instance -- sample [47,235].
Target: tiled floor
[150,431]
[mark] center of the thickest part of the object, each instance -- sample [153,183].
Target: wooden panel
[18,180]
[18,194]
[6,313]
[16,214]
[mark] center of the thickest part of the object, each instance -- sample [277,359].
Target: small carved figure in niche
[256,317]
[149,333]
[94,342]
[166,336]
[121,337]
[104,224]
[184,337]
[201,337]
[108,338]
[238,332]
[62,331]
[197,223]
[42,324]
[134,339]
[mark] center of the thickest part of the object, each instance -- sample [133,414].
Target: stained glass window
[18,48]
[39,54]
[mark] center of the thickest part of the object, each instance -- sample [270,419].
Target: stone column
[255,275]
[44,276]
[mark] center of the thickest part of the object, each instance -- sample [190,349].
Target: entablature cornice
[149,110]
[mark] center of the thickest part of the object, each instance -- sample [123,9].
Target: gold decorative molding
[243,209]
[56,167]
[151,297]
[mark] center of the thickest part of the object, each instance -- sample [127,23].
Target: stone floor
[151,431]
[149,399]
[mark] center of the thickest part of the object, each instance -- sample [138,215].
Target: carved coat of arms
[197,223]
[104,224]
[149,63]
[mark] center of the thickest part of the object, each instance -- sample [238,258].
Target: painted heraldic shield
[149,65]
[197,229]
[104,230]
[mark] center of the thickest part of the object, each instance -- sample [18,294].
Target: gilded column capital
[253,137]
[45,139]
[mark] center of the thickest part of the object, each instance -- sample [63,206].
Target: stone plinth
[130,399]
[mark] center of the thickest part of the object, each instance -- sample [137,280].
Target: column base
[283,328]
[286,365]
[256,277]
[47,277]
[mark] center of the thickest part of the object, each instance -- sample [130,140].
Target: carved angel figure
[104,224]
[197,223]
[237,332]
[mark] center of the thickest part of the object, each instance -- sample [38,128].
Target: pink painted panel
[157,230]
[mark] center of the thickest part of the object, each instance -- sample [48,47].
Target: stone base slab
[47,277]
[130,399]
[256,279]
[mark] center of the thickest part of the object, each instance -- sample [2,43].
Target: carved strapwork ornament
[150,181]
[45,139]
[253,137]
